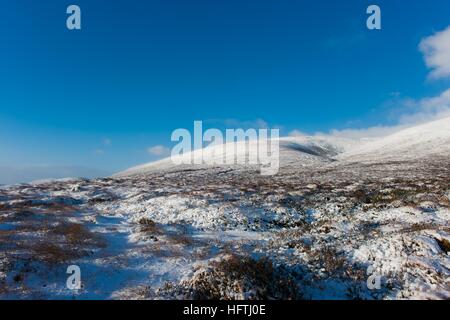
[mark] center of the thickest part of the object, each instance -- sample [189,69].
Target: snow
[413,143]
[294,151]
[336,209]
[432,138]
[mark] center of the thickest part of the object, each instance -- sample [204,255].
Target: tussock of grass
[54,254]
[238,277]
[78,235]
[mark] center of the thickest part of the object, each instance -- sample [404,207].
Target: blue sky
[101,96]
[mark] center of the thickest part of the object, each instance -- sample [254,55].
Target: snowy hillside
[426,140]
[294,151]
[320,229]
[430,139]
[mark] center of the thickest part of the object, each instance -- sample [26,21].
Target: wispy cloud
[106,142]
[99,152]
[436,50]
[158,150]
[297,133]
[427,109]
[371,132]
[408,111]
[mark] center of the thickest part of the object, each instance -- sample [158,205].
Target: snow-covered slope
[431,139]
[294,151]
[426,140]
[318,233]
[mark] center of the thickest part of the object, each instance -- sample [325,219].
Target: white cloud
[427,109]
[297,133]
[409,112]
[107,141]
[158,150]
[436,50]
[371,132]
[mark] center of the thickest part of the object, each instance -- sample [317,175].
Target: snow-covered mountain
[431,139]
[294,151]
[337,209]
[425,140]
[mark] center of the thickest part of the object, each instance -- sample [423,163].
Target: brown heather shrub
[77,234]
[149,226]
[240,277]
[53,254]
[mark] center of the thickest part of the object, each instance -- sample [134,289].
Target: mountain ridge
[416,142]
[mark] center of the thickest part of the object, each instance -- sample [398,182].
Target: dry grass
[66,242]
[329,259]
[238,277]
[149,226]
[52,245]
[78,235]
[334,264]
[417,227]
[54,254]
